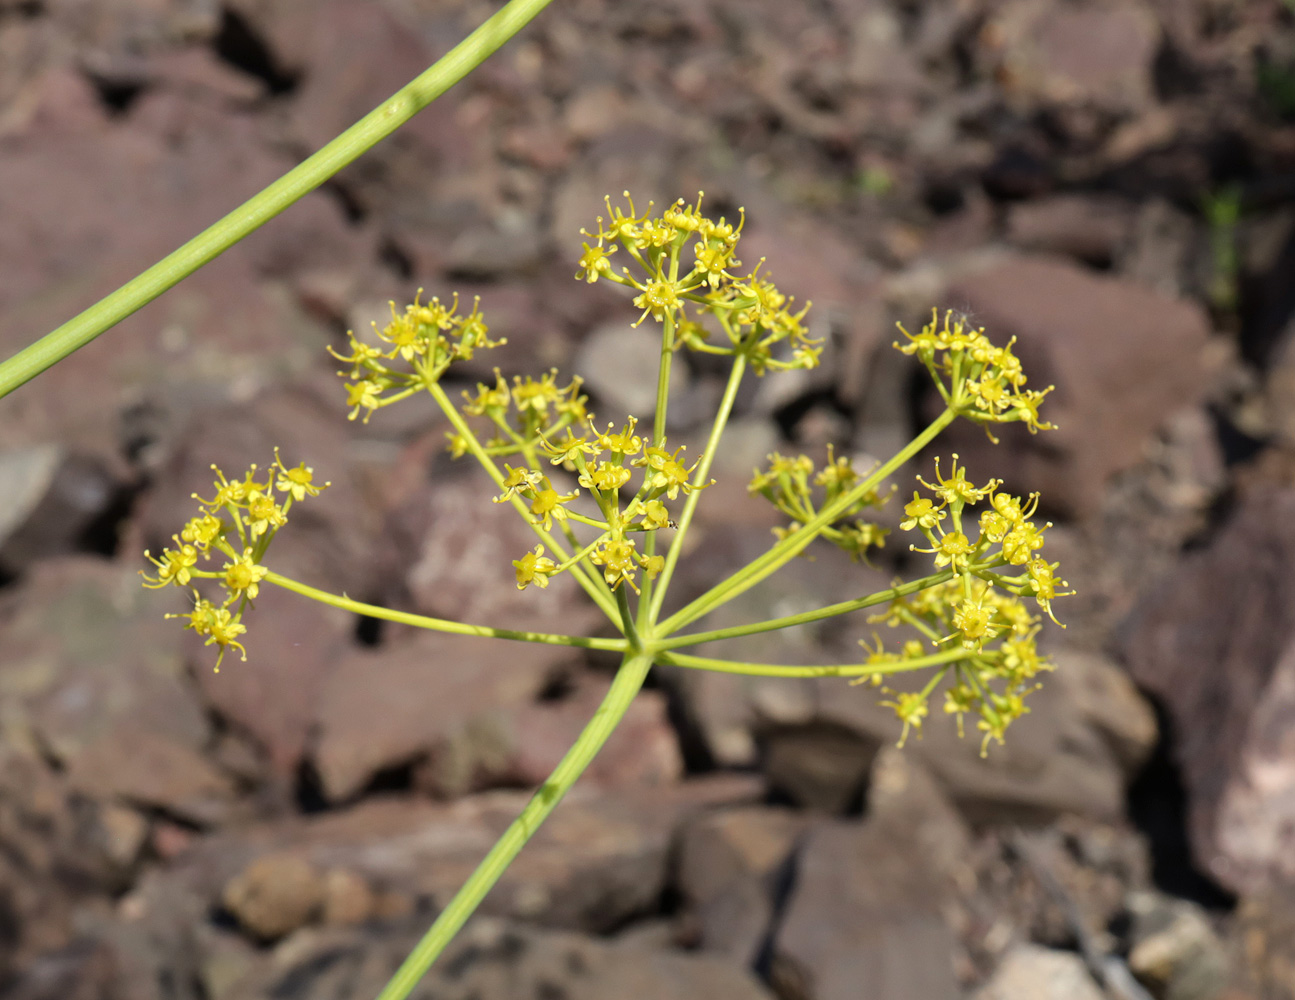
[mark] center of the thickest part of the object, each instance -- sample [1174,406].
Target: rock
[182,161]
[1097,339]
[1055,886]
[348,899]
[1029,972]
[1210,643]
[491,958]
[1089,227]
[150,770]
[275,895]
[1256,815]
[644,749]
[462,564]
[619,365]
[864,908]
[442,695]
[52,505]
[1264,941]
[732,865]
[1100,54]
[94,680]
[601,859]
[818,737]
[1175,951]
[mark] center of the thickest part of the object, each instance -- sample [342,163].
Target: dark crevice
[393,257]
[368,631]
[116,95]
[308,789]
[1157,805]
[352,208]
[238,44]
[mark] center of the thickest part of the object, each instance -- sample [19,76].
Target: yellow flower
[911,708]
[243,576]
[921,512]
[548,505]
[299,482]
[173,567]
[534,567]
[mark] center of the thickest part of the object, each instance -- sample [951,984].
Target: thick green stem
[628,680]
[791,546]
[260,209]
[883,669]
[806,617]
[441,624]
[699,481]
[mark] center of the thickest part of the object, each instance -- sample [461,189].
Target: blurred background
[1112,183]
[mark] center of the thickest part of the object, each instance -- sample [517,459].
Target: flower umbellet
[610,503]
[237,525]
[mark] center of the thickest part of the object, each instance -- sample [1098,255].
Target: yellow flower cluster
[412,352]
[980,605]
[788,483]
[238,523]
[684,289]
[984,383]
[604,463]
[523,414]
[997,673]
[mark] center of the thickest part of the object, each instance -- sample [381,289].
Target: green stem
[703,470]
[814,670]
[261,208]
[791,546]
[441,624]
[806,617]
[658,439]
[628,680]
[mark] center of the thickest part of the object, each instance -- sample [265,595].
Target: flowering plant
[612,504]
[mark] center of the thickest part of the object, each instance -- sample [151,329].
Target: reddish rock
[152,771]
[443,696]
[730,866]
[1210,644]
[1101,54]
[1123,360]
[1090,227]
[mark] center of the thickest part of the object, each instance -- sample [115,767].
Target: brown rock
[348,898]
[1095,53]
[644,749]
[1089,227]
[730,864]
[153,771]
[1123,359]
[442,695]
[865,908]
[601,858]
[463,568]
[275,895]
[1029,971]
[1209,643]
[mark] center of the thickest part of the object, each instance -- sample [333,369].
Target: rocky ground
[1111,183]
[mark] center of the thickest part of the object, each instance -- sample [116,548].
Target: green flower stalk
[611,503]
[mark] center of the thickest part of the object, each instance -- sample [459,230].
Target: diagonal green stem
[806,617]
[629,679]
[592,583]
[441,624]
[699,480]
[261,208]
[815,670]
[791,546]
